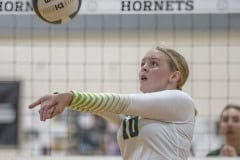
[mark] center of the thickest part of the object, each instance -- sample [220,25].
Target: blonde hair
[176,63]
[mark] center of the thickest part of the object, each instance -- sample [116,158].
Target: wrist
[66,98]
[69,98]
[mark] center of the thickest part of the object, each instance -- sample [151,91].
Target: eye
[142,63]
[225,119]
[153,64]
[236,119]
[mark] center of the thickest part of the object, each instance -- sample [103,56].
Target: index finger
[34,104]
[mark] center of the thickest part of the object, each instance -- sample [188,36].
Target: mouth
[143,78]
[229,132]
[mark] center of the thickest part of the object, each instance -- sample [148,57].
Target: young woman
[154,125]
[229,126]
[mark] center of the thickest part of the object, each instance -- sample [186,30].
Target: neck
[171,87]
[235,142]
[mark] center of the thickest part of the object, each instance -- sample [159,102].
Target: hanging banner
[9,107]
[134,6]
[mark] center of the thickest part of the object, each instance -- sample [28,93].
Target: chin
[147,90]
[143,90]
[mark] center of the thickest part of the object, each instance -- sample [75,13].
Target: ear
[175,77]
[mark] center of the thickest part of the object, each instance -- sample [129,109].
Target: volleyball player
[156,124]
[229,126]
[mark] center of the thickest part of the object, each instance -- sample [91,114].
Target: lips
[229,132]
[143,78]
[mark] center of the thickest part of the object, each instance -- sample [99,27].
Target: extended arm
[169,105]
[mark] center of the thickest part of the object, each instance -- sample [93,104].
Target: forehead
[155,54]
[231,112]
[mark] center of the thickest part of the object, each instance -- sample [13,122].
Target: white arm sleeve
[168,105]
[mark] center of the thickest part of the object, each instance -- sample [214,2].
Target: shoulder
[183,100]
[178,95]
[175,92]
[178,98]
[214,153]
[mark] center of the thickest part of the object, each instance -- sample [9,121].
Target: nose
[144,68]
[230,123]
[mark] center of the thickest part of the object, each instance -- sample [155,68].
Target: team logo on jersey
[130,127]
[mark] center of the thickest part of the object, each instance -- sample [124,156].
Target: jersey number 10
[130,127]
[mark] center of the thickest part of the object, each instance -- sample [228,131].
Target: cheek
[160,75]
[223,127]
[238,126]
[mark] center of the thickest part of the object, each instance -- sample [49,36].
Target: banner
[9,101]
[134,6]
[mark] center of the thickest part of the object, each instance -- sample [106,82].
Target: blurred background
[102,53]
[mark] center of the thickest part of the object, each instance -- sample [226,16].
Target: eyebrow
[151,58]
[227,116]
